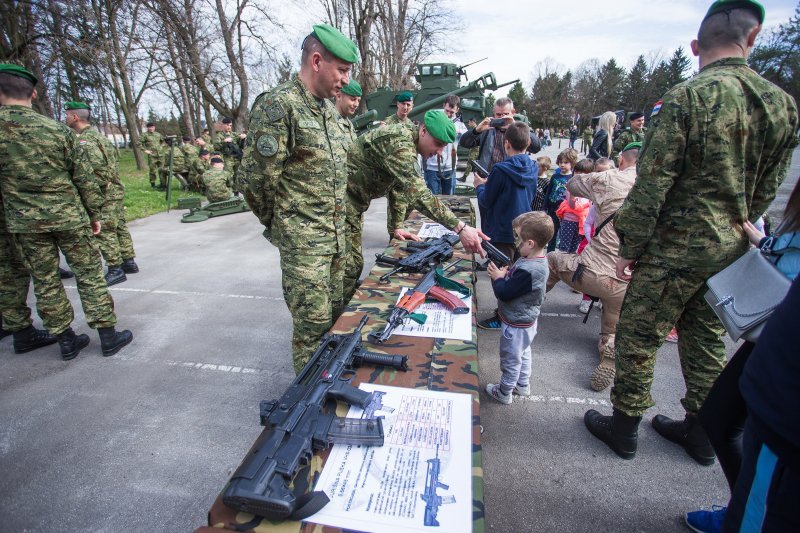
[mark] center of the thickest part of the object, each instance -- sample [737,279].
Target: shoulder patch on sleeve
[274,111]
[656,108]
[266,145]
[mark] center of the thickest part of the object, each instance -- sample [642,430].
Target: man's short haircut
[534,225]
[603,164]
[151,125]
[726,28]
[311,45]
[453,100]
[518,136]
[630,155]
[570,155]
[544,162]
[584,166]
[186,138]
[503,102]
[82,114]
[15,87]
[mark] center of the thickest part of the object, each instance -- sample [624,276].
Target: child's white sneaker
[522,391]
[584,306]
[495,392]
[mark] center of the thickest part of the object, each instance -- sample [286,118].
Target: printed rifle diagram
[430,497]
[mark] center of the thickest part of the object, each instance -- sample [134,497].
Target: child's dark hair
[570,155]
[584,166]
[534,225]
[518,136]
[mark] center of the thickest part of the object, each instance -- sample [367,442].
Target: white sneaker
[522,391]
[584,306]
[495,392]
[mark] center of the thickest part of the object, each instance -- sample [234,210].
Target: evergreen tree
[635,96]
[678,67]
[776,56]
[517,95]
[612,84]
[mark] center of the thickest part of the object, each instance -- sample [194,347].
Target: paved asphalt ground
[144,440]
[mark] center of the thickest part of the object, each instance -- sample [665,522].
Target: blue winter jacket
[509,191]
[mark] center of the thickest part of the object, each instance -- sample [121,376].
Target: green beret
[632,146]
[352,89]
[440,126]
[726,5]
[71,106]
[336,42]
[18,71]
[405,96]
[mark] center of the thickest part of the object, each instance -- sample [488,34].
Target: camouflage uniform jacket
[153,142]
[179,163]
[713,158]
[190,153]
[625,138]
[347,125]
[46,178]
[217,182]
[196,169]
[384,162]
[295,169]
[394,119]
[209,143]
[588,133]
[104,161]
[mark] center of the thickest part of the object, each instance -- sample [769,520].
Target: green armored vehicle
[437,81]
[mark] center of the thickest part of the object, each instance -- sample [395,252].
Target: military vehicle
[437,81]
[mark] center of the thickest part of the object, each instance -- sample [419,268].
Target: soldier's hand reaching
[404,235]
[624,266]
[471,238]
[95,227]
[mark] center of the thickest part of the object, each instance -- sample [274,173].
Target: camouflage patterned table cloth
[435,364]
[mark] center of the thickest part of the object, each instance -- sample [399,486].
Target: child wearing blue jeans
[520,293]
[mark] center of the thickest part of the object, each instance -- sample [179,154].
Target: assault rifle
[421,256]
[494,254]
[302,422]
[413,299]
[431,499]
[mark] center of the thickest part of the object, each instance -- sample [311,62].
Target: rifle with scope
[304,421]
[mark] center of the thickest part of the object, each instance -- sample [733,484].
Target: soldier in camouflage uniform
[180,168]
[587,136]
[717,149]
[405,103]
[384,162]
[152,143]
[347,101]
[632,134]
[47,187]
[197,169]
[217,181]
[294,171]
[207,140]
[115,240]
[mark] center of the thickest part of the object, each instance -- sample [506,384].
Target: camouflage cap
[72,106]
[405,96]
[440,126]
[727,5]
[18,71]
[336,43]
[632,146]
[352,89]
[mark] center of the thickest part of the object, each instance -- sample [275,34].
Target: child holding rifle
[520,292]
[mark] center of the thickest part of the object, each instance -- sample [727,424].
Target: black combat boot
[689,434]
[115,275]
[619,431]
[113,341]
[64,273]
[3,332]
[71,344]
[129,266]
[30,338]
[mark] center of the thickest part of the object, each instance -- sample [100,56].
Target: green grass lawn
[140,199]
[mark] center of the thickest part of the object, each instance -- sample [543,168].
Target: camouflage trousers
[312,288]
[39,252]
[154,164]
[114,239]
[14,283]
[611,292]
[354,259]
[659,298]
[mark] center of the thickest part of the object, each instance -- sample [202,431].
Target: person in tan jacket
[593,271]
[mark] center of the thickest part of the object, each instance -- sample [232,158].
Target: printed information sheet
[419,480]
[433,230]
[441,322]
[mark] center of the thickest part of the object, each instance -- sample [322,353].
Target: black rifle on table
[412,299]
[421,256]
[303,421]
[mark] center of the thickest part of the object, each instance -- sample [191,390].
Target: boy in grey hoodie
[520,293]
